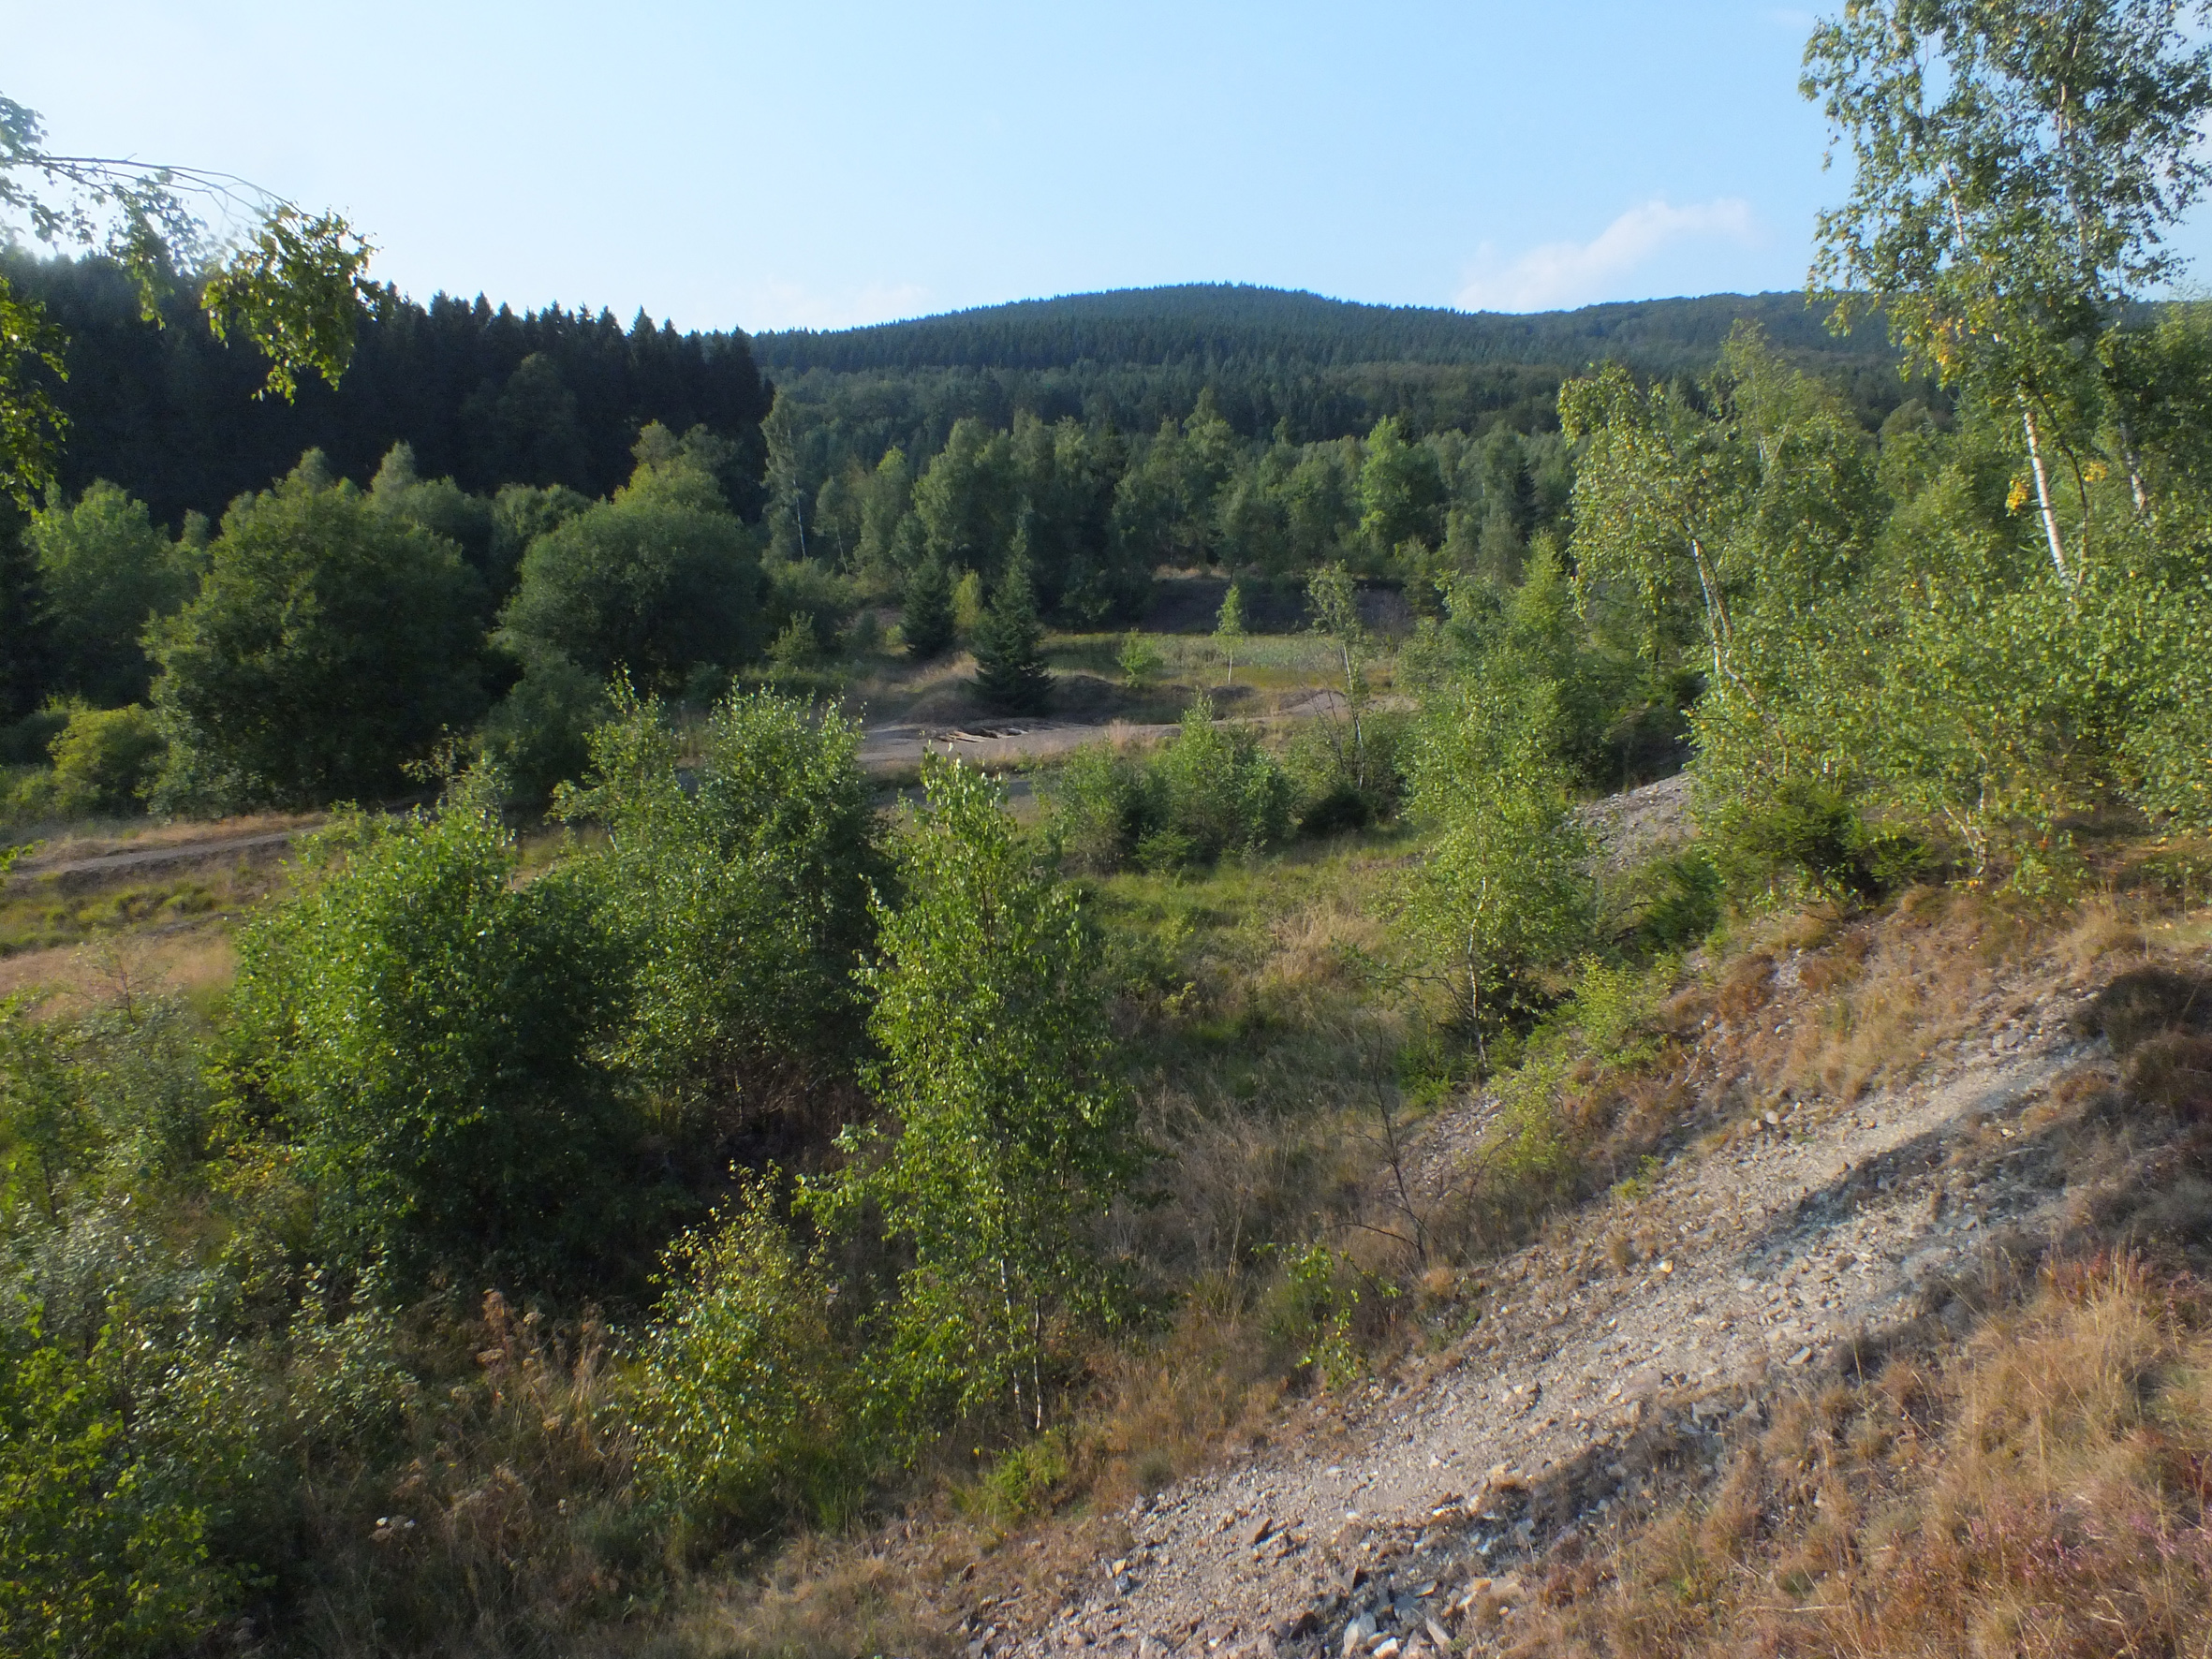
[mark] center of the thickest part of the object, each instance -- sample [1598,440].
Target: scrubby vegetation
[651,1192]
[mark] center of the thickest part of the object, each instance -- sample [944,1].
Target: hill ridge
[1191,322]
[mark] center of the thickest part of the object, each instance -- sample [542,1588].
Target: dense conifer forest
[481,394]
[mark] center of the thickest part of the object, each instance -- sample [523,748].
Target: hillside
[1224,322]
[1906,1268]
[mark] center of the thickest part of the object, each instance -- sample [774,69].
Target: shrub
[796,648]
[104,1554]
[1216,789]
[1505,891]
[1336,786]
[29,742]
[1681,897]
[539,735]
[1098,807]
[425,1031]
[1808,829]
[740,895]
[1013,1135]
[1210,792]
[106,761]
[749,1409]
[1023,1479]
[1139,659]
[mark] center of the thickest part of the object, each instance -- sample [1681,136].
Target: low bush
[749,1408]
[104,1554]
[1212,791]
[103,761]
[1806,834]
[1346,777]
[539,735]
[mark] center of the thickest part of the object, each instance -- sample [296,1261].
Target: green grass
[39,919]
[1271,661]
[1260,980]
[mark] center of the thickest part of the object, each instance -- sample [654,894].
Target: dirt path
[1767,1258]
[900,745]
[92,867]
[891,747]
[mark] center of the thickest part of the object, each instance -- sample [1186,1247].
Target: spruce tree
[1010,674]
[927,619]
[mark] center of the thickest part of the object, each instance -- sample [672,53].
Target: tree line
[481,394]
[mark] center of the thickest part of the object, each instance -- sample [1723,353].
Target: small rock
[1388,1648]
[1439,1634]
[1259,1530]
[1799,1358]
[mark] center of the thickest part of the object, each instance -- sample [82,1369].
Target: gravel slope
[1773,1255]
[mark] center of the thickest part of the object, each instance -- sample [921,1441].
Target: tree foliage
[104,573]
[1010,672]
[424,1031]
[290,281]
[2015,169]
[328,647]
[1011,1135]
[1503,893]
[653,582]
[740,890]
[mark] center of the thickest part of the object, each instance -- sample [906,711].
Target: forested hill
[485,395]
[1272,363]
[1222,322]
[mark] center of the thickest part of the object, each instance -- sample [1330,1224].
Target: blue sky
[825,162]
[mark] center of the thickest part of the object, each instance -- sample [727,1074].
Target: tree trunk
[2042,492]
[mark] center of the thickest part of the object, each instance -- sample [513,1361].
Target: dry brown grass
[824,1598]
[194,964]
[2045,1491]
[63,842]
[511,1529]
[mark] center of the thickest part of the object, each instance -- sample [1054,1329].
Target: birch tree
[2015,166]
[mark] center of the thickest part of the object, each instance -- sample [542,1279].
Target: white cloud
[776,303]
[1564,273]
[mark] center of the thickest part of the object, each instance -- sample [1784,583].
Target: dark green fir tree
[1010,674]
[927,619]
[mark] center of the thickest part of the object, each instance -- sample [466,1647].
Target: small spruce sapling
[927,622]
[1010,674]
